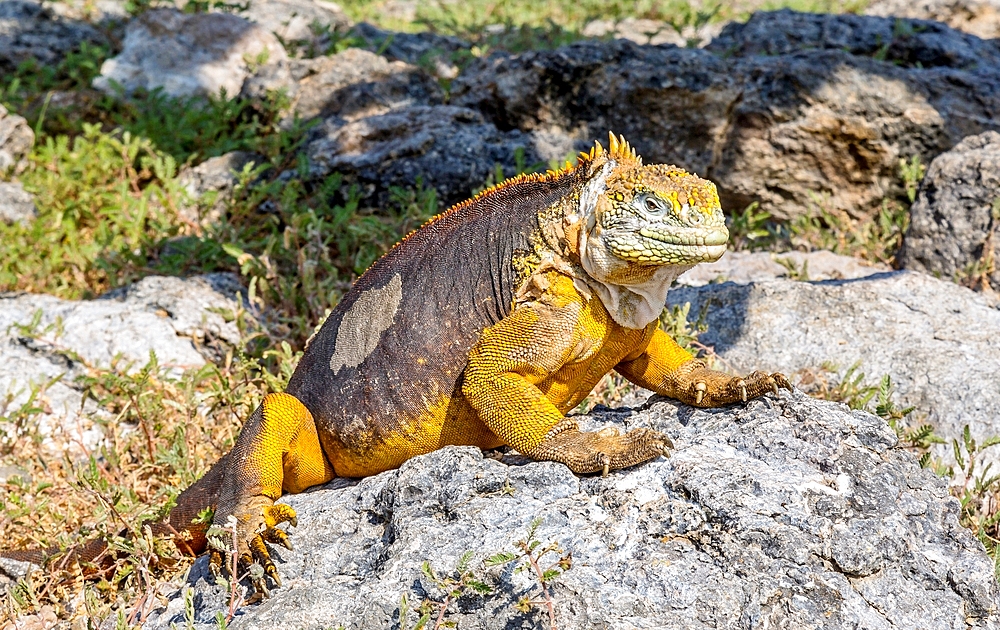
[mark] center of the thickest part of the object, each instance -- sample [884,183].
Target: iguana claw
[703,387]
[256,526]
[700,388]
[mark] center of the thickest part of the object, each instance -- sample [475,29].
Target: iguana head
[650,215]
[636,228]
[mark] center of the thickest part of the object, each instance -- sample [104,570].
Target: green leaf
[501,558]
[426,568]
[480,587]
[463,562]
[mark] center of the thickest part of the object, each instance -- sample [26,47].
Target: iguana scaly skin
[485,327]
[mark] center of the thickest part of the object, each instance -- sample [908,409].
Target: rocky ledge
[788,512]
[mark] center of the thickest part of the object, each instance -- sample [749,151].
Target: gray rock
[106,13]
[788,513]
[798,130]
[16,204]
[744,267]
[955,222]
[302,22]
[16,140]
[430,51]
[28,30]
[978,17]
[935,339]
[46,342]
[189,54]
[450,149]
[347,86]
[655,32]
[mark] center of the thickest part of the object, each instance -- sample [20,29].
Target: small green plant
[453,585]
[979,490]
[691,19]
[752,229]
[530,557]
[674,322]
[103,203]
[876,238]
[26,87]
[911,173]
[795,272]
[919,439]
[230,577]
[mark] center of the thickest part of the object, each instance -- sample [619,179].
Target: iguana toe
[280,513]
[278,537]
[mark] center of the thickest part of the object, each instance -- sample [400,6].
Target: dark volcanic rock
[670,103]
[902,42]
[431,51]
[30,31]
[788,513]
[450,149]
[811,126]
[955,222]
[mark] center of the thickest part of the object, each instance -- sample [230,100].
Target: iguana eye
[653,204]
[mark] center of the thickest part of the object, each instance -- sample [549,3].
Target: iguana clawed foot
[255,525]
[703,387]
[604,450]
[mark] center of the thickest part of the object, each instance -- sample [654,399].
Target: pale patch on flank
[363,324]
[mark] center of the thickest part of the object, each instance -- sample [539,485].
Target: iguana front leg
[670,370]
[277,450]
[501,382]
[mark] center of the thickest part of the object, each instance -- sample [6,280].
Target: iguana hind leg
[277,450]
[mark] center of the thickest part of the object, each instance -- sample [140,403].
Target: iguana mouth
[711,237]
[672,246]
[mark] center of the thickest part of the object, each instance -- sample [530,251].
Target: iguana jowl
[484,328]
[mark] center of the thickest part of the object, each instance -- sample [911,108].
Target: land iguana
[484,328]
